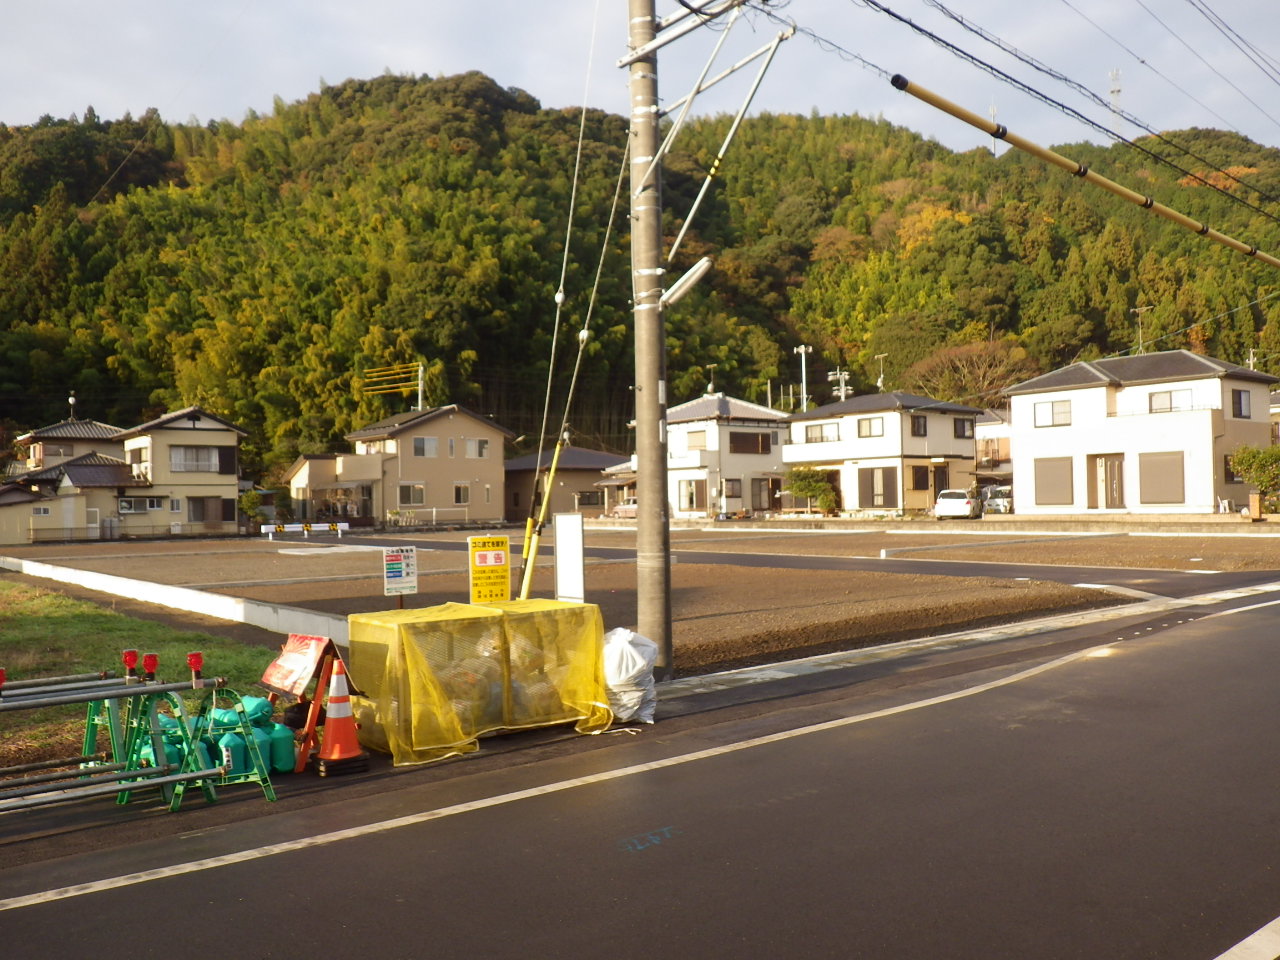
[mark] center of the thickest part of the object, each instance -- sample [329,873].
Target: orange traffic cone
[340,751]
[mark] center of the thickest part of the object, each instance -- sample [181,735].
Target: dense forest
[258,269]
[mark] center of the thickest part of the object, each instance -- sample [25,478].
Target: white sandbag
[628,674]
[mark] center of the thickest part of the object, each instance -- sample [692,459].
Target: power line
[1056,104]
[1090,94]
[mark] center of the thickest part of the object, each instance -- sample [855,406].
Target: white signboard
[399,570]
[571,571]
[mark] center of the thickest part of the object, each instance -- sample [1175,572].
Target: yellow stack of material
[431,681]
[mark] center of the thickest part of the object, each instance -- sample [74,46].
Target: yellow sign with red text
[490,568]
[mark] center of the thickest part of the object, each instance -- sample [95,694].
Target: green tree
[1259,466]
[811,484]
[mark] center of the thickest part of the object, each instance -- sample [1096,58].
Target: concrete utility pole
[804,350]
[653,551]
[841,380]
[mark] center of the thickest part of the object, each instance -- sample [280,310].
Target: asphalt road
[1120,805]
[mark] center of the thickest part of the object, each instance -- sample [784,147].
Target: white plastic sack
[628,674]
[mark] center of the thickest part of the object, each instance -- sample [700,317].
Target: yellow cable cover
[433,680]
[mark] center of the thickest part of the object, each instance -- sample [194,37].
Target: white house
[1145,434]
[886,452]
[723,456]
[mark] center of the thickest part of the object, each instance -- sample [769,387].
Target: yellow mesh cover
[433,680]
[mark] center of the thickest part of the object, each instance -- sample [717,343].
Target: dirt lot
[724,615]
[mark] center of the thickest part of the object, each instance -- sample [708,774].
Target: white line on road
[383,826]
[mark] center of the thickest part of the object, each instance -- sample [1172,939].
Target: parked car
[997,499]
[956,503]
[624,509]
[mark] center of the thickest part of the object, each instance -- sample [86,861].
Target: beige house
[574,489]
[175,475]
[442,465]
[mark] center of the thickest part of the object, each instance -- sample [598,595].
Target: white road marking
[383,826]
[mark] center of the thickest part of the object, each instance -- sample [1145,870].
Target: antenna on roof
[71,401]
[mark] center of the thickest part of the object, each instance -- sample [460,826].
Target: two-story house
[724,456]
[439,465]
[575,488]
[1151,433]
[175,475]
[886,452]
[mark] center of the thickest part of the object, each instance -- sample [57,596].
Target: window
[1053,481]
[697,440]
[135,455]
[1166,401]
[201,509]
[50,449]
[462,493]
[477,449]
[919,478]
[40,511]
[749,443]
[733,488]
[155,503]
[188,459]
[424,446]
[1240,404]
[1160,477]
[451,446]
[1053,413]
[175,506]
[413,494]
[919,426]
[871,427]
[132,504]
[1229,475]
[590,498]
[963,428]
[878,487]
[821,432]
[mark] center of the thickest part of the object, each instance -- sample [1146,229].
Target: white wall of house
[716,467]
[1143,448]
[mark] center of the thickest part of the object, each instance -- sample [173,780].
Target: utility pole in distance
[804,350]
[653,552]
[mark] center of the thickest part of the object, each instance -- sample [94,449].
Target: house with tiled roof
[1151,433]
[886,453]
[723,457]
[174,475]
[575,487]
[440,465]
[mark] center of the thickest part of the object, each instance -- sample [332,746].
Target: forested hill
[257,269]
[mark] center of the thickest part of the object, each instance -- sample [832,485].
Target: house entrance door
[92,531]
[1107,489]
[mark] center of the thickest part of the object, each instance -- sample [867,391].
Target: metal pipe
[79,773]
[120,772]
[1000,132]
[49,764]
[106,789]
[136,690]
[34,692]
[42,681]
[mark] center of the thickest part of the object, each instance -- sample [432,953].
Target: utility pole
[880,379]
[804,350]
[1138,312]
[841,379]
[653,545]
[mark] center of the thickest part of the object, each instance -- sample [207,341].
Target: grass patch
[46,634]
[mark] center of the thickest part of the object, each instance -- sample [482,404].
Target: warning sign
[490,568]
[296,666]
[399,570]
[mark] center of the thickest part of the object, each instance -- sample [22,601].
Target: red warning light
[129,658]
[149,663]
[195,660]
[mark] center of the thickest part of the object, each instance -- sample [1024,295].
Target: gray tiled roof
[87,470]
[571,458]
[72,430]
[398,422]
[875,402]
[716,406]
[1143,368]
[171,419]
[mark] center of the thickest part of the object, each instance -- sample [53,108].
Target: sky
[220,59]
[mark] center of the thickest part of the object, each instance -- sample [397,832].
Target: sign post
[490,568]
[399,572]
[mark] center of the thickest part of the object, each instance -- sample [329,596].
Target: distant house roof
[1143,368]
[994,416]
[571,458]
[400,422]
[303,459]
[875,402]
[72,430]
[716,406]
[87,470]
[17,493]
[175,419]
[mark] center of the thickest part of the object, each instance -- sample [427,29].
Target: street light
[880,379]
[804,350]
[1138,312]
[711,377]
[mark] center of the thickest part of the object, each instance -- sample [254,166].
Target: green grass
[46,634]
